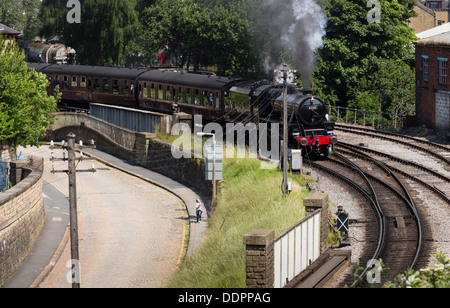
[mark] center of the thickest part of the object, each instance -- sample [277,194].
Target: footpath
[51,241]
[186,194]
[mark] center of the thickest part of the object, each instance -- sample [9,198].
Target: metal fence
[374,119]
[296,249]
[132,119]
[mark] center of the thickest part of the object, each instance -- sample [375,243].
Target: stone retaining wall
[22,217]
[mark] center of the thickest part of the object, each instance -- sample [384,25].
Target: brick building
[430,14]
[433,82]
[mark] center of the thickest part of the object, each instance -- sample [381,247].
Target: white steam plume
[298,27]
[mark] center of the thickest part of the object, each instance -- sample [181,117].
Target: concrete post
[315,201]
[260,258]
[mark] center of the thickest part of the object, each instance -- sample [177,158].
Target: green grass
[250,198]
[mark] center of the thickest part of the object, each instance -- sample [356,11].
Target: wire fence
[374,119]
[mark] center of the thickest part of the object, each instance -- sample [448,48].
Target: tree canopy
[104,33]
[25,106]
[353,47]
[21,15]
[238,37]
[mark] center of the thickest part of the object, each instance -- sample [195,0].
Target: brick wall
[442,111]
[5,151]
[426,90]
[423,21]
[22,217]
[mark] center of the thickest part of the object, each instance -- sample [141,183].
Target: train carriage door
[89,88]
[145,91]
[115,87]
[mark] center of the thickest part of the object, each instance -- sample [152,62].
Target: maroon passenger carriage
[220,99]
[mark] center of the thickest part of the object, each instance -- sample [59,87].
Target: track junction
[398,197]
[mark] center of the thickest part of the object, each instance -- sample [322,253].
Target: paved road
[131,232]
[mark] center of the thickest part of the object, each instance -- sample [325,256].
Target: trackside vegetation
[250,198]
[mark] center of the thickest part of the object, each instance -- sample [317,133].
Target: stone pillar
[319,201]
[16,172]
[142,145]
[259,258]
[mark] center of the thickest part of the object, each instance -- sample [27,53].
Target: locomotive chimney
[307,91]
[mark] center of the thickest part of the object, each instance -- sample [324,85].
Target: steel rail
[406,198]
[375,205]
[376,134]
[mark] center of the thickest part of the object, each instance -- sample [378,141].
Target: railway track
[398,193]
[438,151]
[395,230]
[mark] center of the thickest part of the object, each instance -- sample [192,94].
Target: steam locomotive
[217,99]
[47,53]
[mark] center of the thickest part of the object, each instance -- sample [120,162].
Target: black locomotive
[219,99]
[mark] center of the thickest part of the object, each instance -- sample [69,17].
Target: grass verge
[250,198]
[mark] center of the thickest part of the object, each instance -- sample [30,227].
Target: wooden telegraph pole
[71,171]
[73,211]
[285,133]
[285,77]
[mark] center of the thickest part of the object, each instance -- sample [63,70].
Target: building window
[435,4]
[443,70]
[425,68]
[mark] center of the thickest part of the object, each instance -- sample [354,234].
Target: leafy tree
[391,89]
[197,31]
[21,15]
[354,47]
[25,106]
[434,277]
[107,27]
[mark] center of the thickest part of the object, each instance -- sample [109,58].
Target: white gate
[296,249]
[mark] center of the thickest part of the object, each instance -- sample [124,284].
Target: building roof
[440,38]
[4,30]
[423,7]
[444,4]
[434,31]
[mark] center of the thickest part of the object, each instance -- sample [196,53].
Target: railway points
[424,176]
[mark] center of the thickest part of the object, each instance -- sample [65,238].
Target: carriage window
[132,88]
[105,86]
[145,90]
[115,86]
[197,97]
[74,82]
[65,83]
[188,96]
[168,93]
[160,92]
[96,85]
[125,89]
[83,82]
[152,91]
[56,82]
